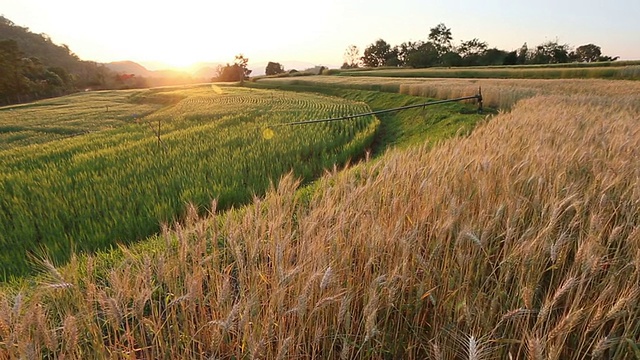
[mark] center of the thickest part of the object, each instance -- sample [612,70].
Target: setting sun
[191,31]
[178,61]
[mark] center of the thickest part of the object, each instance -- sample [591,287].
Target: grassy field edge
[611,71]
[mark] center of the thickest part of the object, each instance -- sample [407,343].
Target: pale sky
[184,32]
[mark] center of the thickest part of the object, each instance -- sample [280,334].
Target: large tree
[274,68]
[523,55]
[471,51]
[405,49]
[377,54]
[12,82]
[441,37]
[493,56]
[242,62]
[511,58]
[551,52]
[588,53]
[237,71]
[351,57]
[392,57]
[418,54]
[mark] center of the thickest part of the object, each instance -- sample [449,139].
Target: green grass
[55,119]
[117,182]
[415,126]
[398,129]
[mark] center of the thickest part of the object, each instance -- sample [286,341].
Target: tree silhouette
[377,54]
[588,53]
[274,68]
[441,37]
[238,71]
[351,57]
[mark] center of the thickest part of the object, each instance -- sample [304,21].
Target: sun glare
[179,61]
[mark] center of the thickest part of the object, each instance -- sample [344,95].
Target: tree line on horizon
[32,67]
[439,50]
[239,70]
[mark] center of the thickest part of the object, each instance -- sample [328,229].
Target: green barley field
[84,172]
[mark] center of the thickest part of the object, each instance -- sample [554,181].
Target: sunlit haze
[180,33]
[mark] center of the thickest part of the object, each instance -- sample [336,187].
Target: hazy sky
[188,31]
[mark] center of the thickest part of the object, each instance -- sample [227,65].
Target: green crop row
[78,114]
[88,192]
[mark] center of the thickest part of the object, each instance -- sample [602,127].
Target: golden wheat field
[519,241]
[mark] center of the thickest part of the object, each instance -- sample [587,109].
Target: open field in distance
[498,93]
[73,115]
[614,71]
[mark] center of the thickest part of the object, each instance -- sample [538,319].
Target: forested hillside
[33,67]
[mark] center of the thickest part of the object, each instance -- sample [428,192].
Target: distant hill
[39,46]
[129,67]
[32,67]
[207,72]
